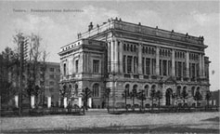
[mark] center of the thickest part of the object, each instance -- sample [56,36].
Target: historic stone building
[122,56]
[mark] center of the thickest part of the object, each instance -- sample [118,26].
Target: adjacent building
[124,56]
[49,82]
[214,100]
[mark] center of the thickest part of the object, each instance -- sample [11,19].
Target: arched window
[178,91]
[64,69]
[146,88]
[193,91]
[127,88]
[153,87]
[198,89]
[135,87]
[70,88]
[95,90]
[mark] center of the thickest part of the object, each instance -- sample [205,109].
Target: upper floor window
[51,89]
[129,64]
[52,76]
[42,69]
[51,83]
[41,83]
[51,69]
[146,88]
[58,70]
[64,69]
[95,66]
[77,66]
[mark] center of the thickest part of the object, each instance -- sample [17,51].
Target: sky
[58,28]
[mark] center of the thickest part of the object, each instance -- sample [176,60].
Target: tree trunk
[159,104]
[142,103]
[126,103]
[133,104]
[152,104]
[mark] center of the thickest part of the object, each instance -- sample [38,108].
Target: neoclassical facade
[122,56]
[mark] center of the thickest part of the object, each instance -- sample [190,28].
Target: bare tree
[32,58]
[8,74]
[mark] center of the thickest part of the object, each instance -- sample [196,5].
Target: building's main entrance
[168,96]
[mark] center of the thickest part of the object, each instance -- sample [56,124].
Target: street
[202,121]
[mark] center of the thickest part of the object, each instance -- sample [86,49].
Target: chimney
[90,26]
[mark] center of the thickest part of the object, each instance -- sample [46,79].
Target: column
[140,59]
[157,61]
[173,63]
[121,57]
[16,101]
[112,56]
[80,101]
[48,102]
[116,55]
[59,102]
[65,102]
[187,64]
[203,66]
[32,101]
[90,102]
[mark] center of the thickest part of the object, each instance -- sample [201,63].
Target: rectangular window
[51,90]
[153,66]
[129,61]
[64,69]
[169,68]
[52,76]
[197,69]
[124,64]
[190,70]
[51,83]
[147,66]
[77,64]
[193,70]
[179,69]
[58,70]
[42,76]
[160,67]
[41,83]
[95,66]
[135,64]
[164,68]
[143,66]
[51,69]
[184,69]
[176,69]
[42,69]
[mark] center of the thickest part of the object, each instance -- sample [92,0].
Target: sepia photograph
[116,66]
